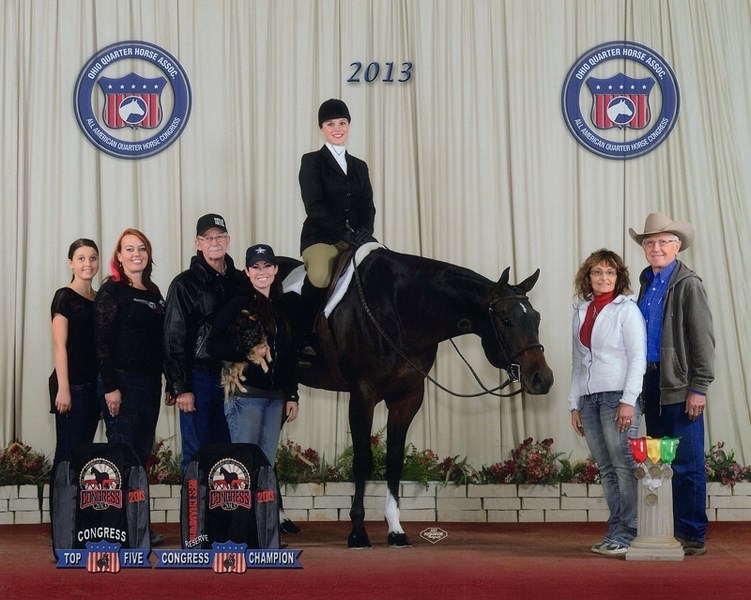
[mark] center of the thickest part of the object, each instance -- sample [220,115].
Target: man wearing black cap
[193,300]
[338,201]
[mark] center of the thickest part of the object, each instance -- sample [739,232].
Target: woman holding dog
[255,330]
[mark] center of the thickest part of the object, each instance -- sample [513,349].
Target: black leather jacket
[193,300]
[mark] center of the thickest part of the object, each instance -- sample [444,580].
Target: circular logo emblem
[99,474]
[100,485]
[229,485]
[620,100]
[132,99]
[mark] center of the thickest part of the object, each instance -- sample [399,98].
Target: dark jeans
[75,427]
[207,425]
[135,425]
[689,474]
[78,425]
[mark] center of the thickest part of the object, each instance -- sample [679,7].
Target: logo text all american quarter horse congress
[620,100]
[132,99]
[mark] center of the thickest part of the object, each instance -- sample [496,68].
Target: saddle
[340,281]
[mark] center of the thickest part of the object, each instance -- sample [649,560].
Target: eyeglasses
[607,273]
[653,243]
[213,238]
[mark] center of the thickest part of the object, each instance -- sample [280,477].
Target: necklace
[594,313]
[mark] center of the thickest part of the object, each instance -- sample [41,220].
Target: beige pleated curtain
[471,162]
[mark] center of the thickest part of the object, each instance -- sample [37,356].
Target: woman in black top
[255,414]
[73,382]
[129,311]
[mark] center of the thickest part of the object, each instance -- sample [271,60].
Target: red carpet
[507,561]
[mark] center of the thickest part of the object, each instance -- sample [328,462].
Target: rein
[512,370]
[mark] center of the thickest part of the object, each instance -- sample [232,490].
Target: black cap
[259,252]
[206,222]
[332,109]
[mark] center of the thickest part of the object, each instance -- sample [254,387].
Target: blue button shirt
[651,306]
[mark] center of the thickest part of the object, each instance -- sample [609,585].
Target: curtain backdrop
[471,163]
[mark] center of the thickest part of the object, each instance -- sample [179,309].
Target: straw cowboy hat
[658,222]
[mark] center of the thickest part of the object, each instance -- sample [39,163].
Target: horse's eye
[506,322]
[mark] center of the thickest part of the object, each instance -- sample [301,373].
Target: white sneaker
[614,549]
[596,548]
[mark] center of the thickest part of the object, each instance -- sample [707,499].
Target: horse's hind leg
[401,413]
[360,424]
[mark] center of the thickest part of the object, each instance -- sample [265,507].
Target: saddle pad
[293,282]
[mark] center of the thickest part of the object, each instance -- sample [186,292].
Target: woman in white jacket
[608,364]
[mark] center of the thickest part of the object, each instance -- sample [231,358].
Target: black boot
[312,302]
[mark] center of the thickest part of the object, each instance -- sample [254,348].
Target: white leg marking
[392,514]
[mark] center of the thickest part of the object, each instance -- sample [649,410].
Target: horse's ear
[499,291]
[503,281]
[529,282]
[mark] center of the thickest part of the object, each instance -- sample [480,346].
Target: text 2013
[371,72]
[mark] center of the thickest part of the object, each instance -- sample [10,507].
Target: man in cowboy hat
[680,366]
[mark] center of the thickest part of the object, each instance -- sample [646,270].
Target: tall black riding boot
[312,303]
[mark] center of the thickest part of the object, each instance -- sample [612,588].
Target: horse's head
[512,341]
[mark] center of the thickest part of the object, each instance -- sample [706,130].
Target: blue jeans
[207,424]
[135,424]
[256,421]
[689,473]
[611,451]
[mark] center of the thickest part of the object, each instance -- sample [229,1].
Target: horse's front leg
[360,424]
[401,413]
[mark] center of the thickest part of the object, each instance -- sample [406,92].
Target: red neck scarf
[595,308]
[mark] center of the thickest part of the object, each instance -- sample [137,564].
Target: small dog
[248,336]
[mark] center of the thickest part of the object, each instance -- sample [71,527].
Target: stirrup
[308,351]
[305,356]
[308,348]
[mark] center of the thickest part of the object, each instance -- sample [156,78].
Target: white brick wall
[466,503]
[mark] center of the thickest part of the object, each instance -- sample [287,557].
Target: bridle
[513,370]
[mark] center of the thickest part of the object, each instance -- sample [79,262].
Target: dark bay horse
[417,302]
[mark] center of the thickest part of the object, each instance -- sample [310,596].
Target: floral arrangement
[162,466]
[531,462]
[582,471]
[20,465]
[721,466]
[295,465]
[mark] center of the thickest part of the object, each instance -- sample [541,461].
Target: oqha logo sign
[620,100]
[132,99]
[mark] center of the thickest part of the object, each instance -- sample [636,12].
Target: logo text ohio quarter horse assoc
[620,100]
[132,99]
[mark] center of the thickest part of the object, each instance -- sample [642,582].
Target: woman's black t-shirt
[82,366]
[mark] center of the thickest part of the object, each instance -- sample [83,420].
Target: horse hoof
[399,540]
[358,540]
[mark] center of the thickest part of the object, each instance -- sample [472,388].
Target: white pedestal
[654,539]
